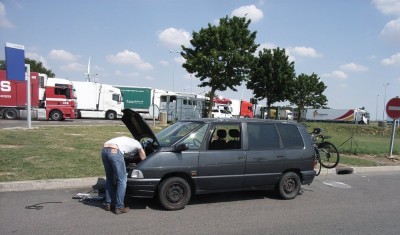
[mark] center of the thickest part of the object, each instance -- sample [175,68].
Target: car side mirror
[181,147]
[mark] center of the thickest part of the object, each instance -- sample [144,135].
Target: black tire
[289,185]
[328,155]
[10,114]
[79,114]
[111,115]
[56,115]
[174,193]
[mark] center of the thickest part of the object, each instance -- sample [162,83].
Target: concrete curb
[93,182]
[99,182]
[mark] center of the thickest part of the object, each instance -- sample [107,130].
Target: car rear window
[262,136]
[290,136]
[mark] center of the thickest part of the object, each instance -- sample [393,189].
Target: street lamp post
[173,70]
[191,78]
[376,115]
[384,102]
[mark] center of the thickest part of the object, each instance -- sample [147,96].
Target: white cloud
[336,74]
[393,60]
[174,38]
[76,67]
[62,55]
[391,31]
[250,12]
[353,67]
[37,57]
[388,7]
[130,58]
[129,75]
[150,78]
[4,22]
[164,62]
[303,51]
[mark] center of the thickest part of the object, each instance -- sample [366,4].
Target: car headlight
[137,174]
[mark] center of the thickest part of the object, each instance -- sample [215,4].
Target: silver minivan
[209,155]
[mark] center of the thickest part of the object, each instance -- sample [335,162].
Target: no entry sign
[393,108]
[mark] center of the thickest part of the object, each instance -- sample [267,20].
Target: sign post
[393,111]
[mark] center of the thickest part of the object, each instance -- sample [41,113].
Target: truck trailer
[51,98]
[141,99]
[358,116]
[97,100]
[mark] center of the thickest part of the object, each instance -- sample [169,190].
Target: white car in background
[220,113]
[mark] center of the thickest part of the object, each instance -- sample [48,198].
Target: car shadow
[152,203]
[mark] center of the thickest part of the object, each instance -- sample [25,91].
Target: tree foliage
[272,76]
[36,66]
[307,92]
[221,55]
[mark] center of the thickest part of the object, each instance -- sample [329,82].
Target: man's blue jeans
[114,165]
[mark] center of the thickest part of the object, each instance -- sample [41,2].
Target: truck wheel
[289,185]
[174,193]
[56,115]
[10,114]
[111,115]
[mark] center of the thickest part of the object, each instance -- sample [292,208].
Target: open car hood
[138,126]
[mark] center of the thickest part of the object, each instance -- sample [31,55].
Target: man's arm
[142,154]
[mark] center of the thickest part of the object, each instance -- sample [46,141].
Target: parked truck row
[58,99]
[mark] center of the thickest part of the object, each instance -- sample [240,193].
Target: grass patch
[356,161]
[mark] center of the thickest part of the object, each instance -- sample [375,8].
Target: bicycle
[326,153]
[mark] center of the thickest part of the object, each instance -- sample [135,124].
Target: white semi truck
[97,100]
[358,116]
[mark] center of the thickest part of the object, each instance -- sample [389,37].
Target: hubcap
[175,193]
[289,185]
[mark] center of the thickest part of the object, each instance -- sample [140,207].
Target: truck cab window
[115,97]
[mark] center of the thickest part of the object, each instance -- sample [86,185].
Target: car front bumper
[144,188]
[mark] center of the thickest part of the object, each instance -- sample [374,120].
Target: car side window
[225,137]
[195,139]
[290,135]
[262,136]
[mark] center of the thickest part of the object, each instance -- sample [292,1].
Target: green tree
[36,66]
[221,55]
[307,92]
[272,76]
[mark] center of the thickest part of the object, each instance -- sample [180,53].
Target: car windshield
[172,134]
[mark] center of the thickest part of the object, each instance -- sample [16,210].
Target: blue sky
[353,45]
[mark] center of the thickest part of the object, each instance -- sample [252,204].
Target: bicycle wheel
[328,155]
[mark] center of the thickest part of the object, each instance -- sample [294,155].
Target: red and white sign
[393,108]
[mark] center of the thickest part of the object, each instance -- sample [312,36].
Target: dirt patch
[3,146]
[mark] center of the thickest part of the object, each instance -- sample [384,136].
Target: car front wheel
[289,185]
[174,193]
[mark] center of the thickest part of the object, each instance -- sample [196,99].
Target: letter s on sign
[5,86]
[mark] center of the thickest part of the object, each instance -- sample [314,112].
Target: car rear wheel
[174,193]
[289,185]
